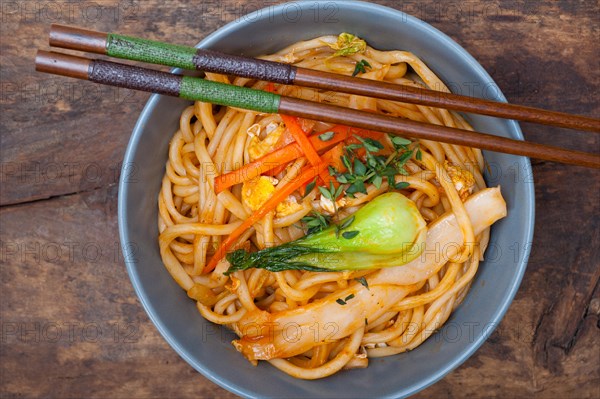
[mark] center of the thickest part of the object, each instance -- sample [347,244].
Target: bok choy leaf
[388,231]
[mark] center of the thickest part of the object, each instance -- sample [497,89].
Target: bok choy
[388,231]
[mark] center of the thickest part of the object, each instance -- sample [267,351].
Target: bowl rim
[136,136]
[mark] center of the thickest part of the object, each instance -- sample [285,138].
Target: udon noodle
[313,324]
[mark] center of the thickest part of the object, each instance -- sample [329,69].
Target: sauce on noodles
[313,324]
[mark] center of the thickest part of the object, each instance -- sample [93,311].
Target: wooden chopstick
[137,49]
[192,88]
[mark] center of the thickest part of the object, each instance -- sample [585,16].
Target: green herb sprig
[345,300]
[363,281]
[326,136]
[316,222]
[375,168]
[361,67]
[372,169]
[384,224]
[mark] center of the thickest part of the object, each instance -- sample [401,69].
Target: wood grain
[71,323]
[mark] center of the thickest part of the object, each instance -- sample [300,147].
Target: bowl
[207,347]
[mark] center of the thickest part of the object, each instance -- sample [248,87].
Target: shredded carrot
[256,168]
[341,133]
[277,170]
[278,159]
[330,157]
[295,128]
[336,162]
[270,87]
[285,139]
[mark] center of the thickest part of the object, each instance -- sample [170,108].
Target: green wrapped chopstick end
[198,89]
[132,48]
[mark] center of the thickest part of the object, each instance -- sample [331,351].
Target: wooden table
[71,323]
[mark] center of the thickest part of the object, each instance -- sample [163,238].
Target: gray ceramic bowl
[206,347]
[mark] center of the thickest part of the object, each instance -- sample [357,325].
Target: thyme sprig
[374,168]
[316,222]
[361,67]
[345,300]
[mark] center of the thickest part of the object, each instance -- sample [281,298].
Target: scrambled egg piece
[289,206]
[290,58]
[462,179]
[327,205]
[257,191]
[257,147]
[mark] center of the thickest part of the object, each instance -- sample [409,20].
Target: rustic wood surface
[71,323]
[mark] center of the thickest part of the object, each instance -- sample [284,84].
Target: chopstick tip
[73,38]
[62,64]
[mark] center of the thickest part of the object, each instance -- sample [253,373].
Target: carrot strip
[258,167]
[285,139]
[277,170]
[351,132]
[270,87]
[278,196]
[276,159]
[334,160]
[326,179]
[294,127]
[341,133]
[281,157]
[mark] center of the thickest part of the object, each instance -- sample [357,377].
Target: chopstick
[192,88]
[137,49]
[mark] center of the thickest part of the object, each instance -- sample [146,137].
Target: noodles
[312,324]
